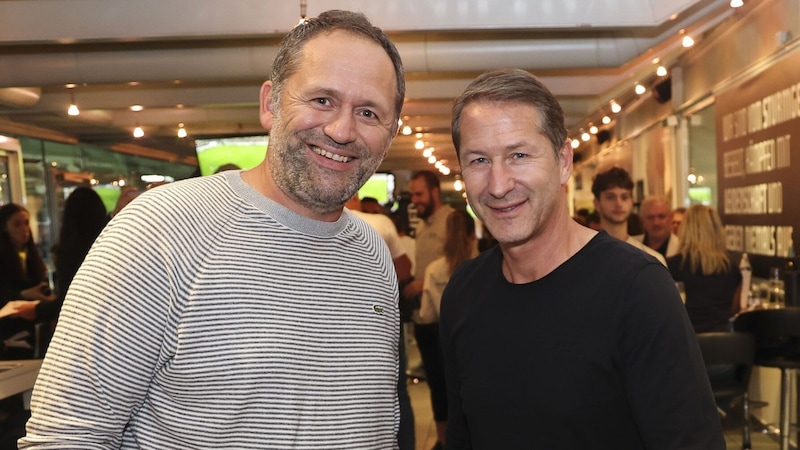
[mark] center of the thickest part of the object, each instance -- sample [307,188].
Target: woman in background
[83,219]
[23,276]
[459,246]
[711,279]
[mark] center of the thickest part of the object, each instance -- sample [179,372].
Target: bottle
[747,276]
[791,280]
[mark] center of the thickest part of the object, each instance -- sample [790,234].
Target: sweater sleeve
[108,342]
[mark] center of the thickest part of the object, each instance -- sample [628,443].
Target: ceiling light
[138,132]
[438,164]
[181,131]
[585,136]
[72,110]
[737,3]
[615,108]
[418,135]
[427,152]
[458,185]
[406,130]
[661,71]
[136,108]
[639,89]
[431,159]
[606,120]
[419,145]
[575,143]
[445,171]
[593,129]
[687,41]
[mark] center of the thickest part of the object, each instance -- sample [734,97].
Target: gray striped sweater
[208,316]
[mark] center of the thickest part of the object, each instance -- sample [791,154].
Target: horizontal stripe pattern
[207,316]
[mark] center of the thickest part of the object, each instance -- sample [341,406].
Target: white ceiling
[211,56]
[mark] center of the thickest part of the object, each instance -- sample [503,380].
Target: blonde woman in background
[707,270]
[460,245]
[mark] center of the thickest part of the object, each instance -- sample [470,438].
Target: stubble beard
[317,188]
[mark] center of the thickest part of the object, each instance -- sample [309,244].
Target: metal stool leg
[786,383]
[746,430]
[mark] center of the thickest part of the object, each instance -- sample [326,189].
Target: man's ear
[265,114]
[566,154]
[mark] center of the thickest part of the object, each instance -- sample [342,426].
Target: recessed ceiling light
[136,108]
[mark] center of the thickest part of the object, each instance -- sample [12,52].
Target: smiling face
[514,181]
[331,127]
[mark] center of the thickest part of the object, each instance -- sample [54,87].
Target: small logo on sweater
[378,309]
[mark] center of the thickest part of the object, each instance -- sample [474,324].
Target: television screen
[379,186]
[218,154]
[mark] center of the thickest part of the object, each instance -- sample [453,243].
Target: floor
[762,438]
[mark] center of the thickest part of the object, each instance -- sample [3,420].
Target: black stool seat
[777,336]
[737,351]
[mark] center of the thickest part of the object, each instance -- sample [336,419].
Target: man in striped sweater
[246,310]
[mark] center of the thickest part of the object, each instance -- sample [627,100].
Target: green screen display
[216,155]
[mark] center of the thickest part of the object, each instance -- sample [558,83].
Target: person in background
[459,246]
[402,266]
[559,336]
[371,205]
[677,217]
[23,276]
[711,280]
[246,309]
[403,227]
[426,196]
[82,221]
[613,201]
[656,214]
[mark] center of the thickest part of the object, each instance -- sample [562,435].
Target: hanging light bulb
[419,145]
[585,136]
[406,130]
[737,3]
[606,120]
[687,41]
[615,108]
[138,132]
[575,143]
[181,131]
[427,152]
[661,71]
[73,108]
[593,129]
[639,89]
[458,184]
[432,159]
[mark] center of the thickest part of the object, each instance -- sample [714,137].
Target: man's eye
[321,101]
[367,114]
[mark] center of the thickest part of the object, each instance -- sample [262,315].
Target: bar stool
[737,350]
[777,334]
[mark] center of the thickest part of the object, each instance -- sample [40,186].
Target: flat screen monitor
[226,153]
